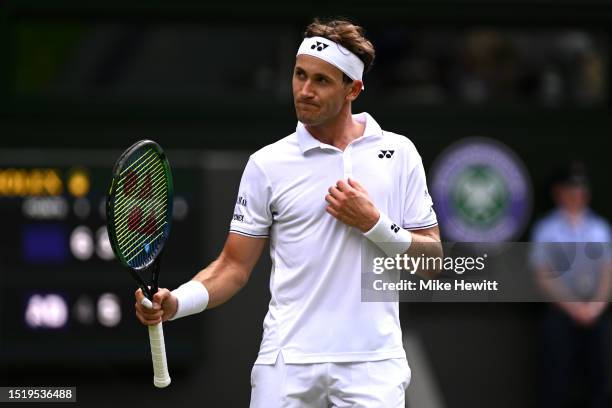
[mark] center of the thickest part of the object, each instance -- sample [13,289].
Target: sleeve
[418,206]
[252,215]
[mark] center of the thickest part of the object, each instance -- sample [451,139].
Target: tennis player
[337,183]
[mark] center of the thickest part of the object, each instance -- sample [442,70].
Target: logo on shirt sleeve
[394,228]
[241,201]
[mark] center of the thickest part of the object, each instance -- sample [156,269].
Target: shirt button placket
[347,162]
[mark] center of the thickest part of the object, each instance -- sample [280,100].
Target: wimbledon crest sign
[481,192]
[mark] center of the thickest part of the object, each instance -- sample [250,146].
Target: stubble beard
[308,119]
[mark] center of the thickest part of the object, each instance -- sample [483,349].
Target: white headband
[333,53]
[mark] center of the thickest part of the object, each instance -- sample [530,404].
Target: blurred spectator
[575,276]
[491,65]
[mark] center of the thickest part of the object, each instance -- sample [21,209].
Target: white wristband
[389,237]
[192,298]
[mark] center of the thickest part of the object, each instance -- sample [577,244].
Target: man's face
[571,197]
[318,90]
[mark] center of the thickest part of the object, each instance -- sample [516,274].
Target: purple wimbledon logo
[481,192]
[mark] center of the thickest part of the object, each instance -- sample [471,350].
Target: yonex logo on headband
[335,54]
[319,46]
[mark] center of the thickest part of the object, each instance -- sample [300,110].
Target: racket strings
[138,245]
[123,196]
[137,239]
[142,255]
[127,217]
[126,207]
[125,200]
[141,207]
[141,244]
[149,154]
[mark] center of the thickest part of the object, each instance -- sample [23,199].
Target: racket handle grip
[161,377]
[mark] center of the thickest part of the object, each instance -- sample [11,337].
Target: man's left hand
[351,204]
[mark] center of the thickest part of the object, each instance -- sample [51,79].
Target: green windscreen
[141,207]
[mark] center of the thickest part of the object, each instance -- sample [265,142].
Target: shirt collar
[308,142]
[563,219]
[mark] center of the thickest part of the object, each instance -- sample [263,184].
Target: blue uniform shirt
[585,249]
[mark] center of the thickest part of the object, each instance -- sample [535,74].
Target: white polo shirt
[316,314]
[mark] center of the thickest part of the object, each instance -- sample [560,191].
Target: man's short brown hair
[347,34]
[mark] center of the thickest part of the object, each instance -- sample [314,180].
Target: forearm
[427,244]
[597,308]
[222,279]
[556,291]
[551,287]
[605,284]
[394,241]
[600,299]
[210,287]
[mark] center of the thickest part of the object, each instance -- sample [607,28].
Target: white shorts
[368,384]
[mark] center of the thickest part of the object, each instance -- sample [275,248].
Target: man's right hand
[164,307]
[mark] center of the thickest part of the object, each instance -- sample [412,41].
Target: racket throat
[149,289]
[155,273]
[141,284]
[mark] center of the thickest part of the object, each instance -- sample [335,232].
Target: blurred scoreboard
[63,297]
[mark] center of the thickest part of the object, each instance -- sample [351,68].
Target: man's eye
[323,80]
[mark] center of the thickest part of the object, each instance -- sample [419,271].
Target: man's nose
[307,90]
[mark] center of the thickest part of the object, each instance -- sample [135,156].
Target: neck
[339,131]
[574,216]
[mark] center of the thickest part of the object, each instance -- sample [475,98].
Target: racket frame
[155,259]
[161,377]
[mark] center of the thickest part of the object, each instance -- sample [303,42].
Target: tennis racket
[139,211]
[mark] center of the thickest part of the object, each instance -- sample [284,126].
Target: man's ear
[354,90]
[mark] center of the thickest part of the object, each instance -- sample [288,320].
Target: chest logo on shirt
[385,154]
